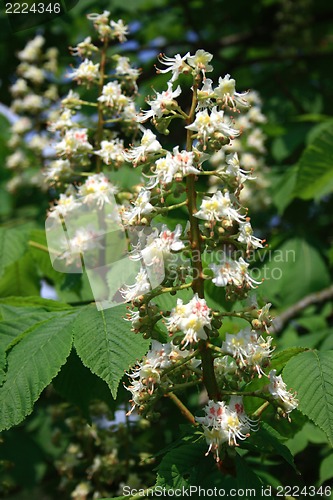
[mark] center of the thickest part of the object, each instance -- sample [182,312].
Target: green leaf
[280,359]
[32,364]
[77,384]
[283,189]
[105,343]
[13,244]
[315,172]
[187,467]
[247,480]
[268,440]
[18,304]
[311,375]
[326,469]
[179,468]
[11,329]
[20,278]
[295,261]
[42,258]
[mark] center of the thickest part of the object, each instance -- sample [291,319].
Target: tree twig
[295,309]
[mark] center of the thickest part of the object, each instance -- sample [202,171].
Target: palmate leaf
[294,261]
[315,173]
[31,365]
[268,441]
[187,467]
[179,467]
[78,385]
[20,278]
[105,343]
[13,244]
[17,305]
[311,375]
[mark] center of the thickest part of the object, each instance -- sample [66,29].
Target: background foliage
[282,49]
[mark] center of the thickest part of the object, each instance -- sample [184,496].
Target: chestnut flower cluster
[218,224]
[198,259]
[34,92]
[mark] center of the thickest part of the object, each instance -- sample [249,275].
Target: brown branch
[295,309]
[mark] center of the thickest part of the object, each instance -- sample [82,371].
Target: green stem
[168,289]
[261,409]
[180,363]
[171,207]
[184,386]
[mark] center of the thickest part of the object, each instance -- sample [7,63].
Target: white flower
[112,151]
[147,375]
[246,236]
[57,170]
[249,161]
[224,366]
[156,249]
[164,170]
[279,391]
[97,188]
[34,74]
[184,162]
[175,64]
[237,344]
[87,71]
[129,112]
[74,142]
[83,240]
[119,30]
[17,159]
[249,349]
[19,88]
[218,207]
[149,146]
[99,18]
[205,125]
[169,241]
[32,103]
[264,317]
[200,61]
[219,125]
[31,51]
[140,287]
[159,354]
[113,97]
[205,94]
[226,91]
[141,206]
[233,169]
[161,104]
[233,272]
[22,125]
[84,48]
[224,423]
[101,23]
[71,100]
[256,140]
[38,143]
[65,205]
[123,67]
[63,121]
[191,319]
[255,115]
